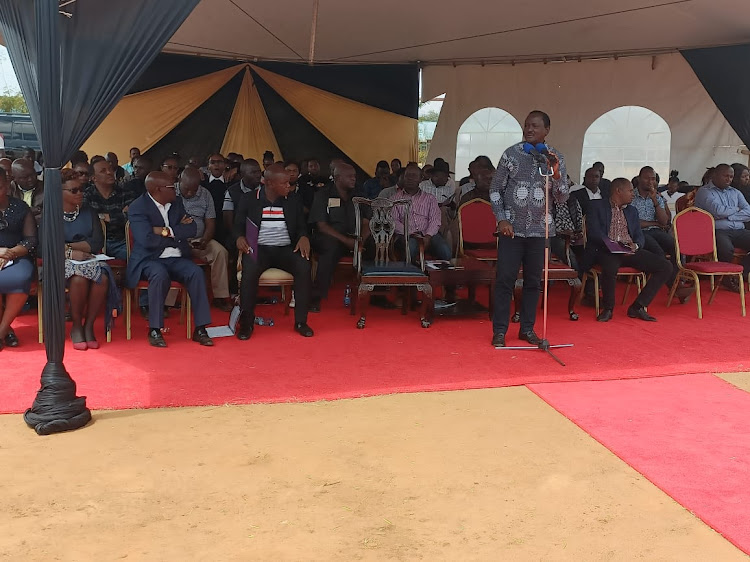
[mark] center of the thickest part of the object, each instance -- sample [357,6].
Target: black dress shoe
[640,312]
[223,304]
[605,315]
[314,305]
[245,330]
[303,329]
[530,337]
[11,340]
[498,340]
[144,312]
[155,338]
[201,336]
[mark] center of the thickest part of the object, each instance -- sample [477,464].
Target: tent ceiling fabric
[144,118]
[249,132]
[364,133]
[448,31]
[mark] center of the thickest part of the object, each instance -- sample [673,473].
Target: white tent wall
[575,94]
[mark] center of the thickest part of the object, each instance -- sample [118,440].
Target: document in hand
[251,234]
[616,247]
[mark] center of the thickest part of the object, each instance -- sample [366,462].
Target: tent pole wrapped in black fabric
[725,74]
[72,71]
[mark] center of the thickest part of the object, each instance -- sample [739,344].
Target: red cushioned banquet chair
[694,236]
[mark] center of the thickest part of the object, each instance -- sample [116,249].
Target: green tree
[12,103]
[431,116]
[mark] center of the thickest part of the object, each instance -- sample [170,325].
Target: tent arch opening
[487,131]
[627,138]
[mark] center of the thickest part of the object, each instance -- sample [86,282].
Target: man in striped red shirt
[283,243]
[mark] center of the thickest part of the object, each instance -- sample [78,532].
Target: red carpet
[689,435]
[392,354]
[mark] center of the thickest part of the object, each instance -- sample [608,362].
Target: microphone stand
[544,345]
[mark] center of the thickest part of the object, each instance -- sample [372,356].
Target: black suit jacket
[599,219]
[251,206]
[147,245]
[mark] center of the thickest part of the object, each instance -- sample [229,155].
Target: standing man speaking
[518,196]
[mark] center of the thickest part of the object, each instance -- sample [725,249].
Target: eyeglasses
[73,190]
[170,167]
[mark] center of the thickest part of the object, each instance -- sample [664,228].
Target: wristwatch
[165,232]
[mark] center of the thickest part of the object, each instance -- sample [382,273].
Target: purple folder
[251,234]
[616,247]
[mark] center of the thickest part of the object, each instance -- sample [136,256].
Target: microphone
[549,156]
[538,156]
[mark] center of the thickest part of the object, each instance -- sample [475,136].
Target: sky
[8,79]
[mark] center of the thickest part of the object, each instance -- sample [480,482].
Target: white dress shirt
[592,195]
[164,211]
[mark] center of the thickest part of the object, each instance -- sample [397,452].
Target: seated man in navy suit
[613,219]
[161,229]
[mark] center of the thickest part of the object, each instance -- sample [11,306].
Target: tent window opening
[487,132]
[625,139]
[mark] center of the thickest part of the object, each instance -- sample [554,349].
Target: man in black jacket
[613,223]
[283,243]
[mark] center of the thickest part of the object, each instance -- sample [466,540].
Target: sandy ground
[740,380]
[473,475]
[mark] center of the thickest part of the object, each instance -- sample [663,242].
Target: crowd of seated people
[299,211]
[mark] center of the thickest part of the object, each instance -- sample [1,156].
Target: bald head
[161,187]
[277,182]
[622,192]
[275,170]
[344,176]
[190,181]
[24,174]
[723,176]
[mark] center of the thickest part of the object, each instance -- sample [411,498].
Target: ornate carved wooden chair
[386,270]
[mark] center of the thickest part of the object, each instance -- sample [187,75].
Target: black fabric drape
[725,74]
[72,72]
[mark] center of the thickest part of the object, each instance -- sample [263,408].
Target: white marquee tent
[507,55]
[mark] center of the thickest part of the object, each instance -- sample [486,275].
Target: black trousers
[661,243]
[280,257]
[728,240]
[511,254]
[658,267]
[329,251]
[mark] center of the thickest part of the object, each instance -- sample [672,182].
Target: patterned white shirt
[517,192]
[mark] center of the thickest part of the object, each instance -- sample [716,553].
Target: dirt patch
[474,475]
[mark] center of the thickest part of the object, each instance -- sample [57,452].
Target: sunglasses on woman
[73,190]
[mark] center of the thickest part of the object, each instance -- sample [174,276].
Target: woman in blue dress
[91,284]
[18,239]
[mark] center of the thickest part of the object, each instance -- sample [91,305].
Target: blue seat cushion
[396,269]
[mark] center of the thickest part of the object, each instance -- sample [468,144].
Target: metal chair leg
[742,294]
[128,299]
[715,288]
[697,282]
[627,289]
[673,289]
